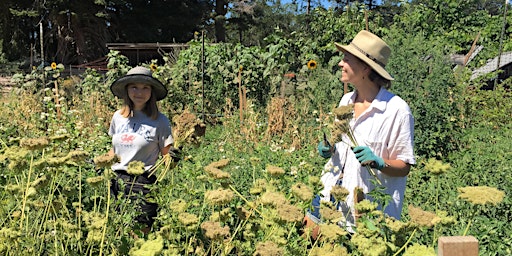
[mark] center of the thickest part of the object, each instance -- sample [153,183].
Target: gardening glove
[175,153]
[325,149]
[366,157]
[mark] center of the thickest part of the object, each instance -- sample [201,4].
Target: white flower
[294,170]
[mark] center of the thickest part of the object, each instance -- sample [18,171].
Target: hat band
[368,55]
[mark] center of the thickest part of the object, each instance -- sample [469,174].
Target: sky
[324,3]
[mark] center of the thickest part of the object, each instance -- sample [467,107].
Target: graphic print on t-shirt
[127,138]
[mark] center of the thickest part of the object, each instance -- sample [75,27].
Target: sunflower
[54,65]
[153,67]
[311,64]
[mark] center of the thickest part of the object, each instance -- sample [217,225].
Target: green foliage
[425,80]
[55,204]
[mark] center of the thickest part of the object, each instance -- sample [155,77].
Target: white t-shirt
[387,127]
[139,138]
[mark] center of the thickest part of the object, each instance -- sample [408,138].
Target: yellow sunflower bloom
[54,65]
[153,67]
[311,64]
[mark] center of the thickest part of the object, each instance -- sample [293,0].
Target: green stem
[470,221]
[243,198]
[407,242]
[368,168]
[106,217]
[25,195]
[467,227]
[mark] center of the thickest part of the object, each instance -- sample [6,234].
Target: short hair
[378,79]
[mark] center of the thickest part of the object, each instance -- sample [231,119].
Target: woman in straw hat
[383,127]
[140,133]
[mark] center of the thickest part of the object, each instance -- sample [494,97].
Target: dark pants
[136,190]
[315,204]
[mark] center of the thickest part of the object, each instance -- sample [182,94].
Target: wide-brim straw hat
[371,50]
[138,75]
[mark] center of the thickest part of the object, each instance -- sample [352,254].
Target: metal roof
[492,65]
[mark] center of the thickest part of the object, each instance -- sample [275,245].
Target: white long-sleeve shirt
[387,127]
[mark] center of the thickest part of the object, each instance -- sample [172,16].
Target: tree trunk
[220,20]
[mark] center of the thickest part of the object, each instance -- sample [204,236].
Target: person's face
[139,94]
[352,69]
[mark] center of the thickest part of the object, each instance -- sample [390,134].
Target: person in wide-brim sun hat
[141,135]
[372,50]
[378,145]
[138,75]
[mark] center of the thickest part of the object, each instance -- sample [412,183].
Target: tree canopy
[74,32]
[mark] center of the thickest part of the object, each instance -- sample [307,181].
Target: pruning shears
[326,143]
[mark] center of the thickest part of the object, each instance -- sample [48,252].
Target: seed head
[331,232]
[214,230]
[178,205]
[106,160]
[219,164]
[418,249]
[290,213]
[135,168]
[273,198]
[436,167]
[149,247]
[274,170]
[328,212]
[482,195]
[423,218]
[34,144]
[268,248]
[188,219]
[95,180]
[328,250]
[339,193]
[366,206]
[302,191]
[218,196]
[216,172]
[258,187]
[77,155]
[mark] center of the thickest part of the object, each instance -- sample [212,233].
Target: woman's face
[352,69]
[139,94]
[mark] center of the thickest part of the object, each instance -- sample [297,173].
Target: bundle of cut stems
[341,127]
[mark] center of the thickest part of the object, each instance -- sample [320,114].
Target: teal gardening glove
[366,156]
[325,149]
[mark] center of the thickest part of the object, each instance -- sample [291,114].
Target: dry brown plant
[282,121]
[187,129]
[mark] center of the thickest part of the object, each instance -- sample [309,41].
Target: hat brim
[118,86]
[376,67]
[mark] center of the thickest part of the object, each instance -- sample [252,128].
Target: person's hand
[175,154]
[325,149]
[366,157]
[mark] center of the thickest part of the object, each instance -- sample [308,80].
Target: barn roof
[492,65]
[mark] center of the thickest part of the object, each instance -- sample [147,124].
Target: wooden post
[57,101]
[457,246]
[366,20]
[241,95]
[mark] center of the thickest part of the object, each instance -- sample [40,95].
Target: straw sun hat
[371,50]
[138,75]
